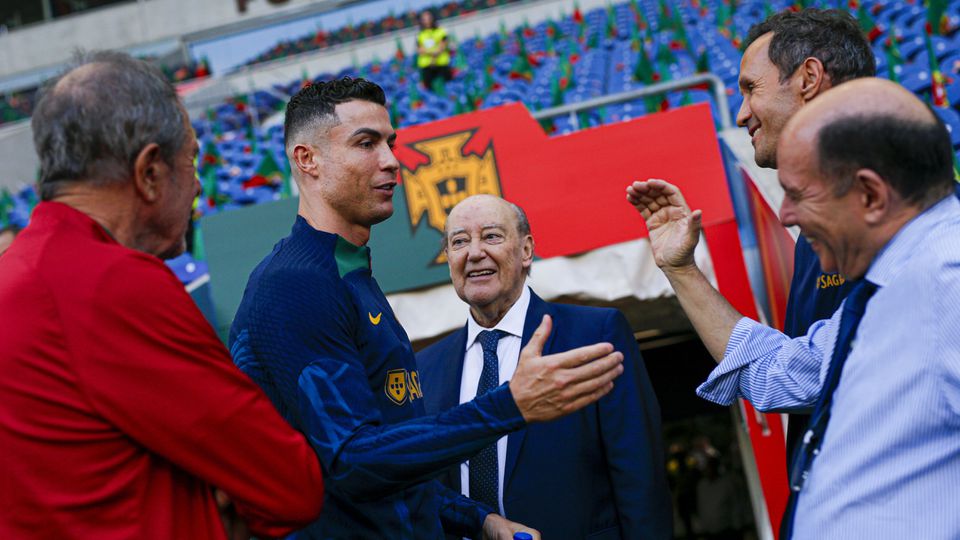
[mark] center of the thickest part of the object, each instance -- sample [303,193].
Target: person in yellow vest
[433,51]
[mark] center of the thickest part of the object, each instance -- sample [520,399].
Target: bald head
[865,97]
[875,124]
[474,202]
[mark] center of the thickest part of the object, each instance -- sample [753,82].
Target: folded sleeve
[772,371]
[154,367]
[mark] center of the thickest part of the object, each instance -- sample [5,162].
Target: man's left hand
[674,229]
[497,527]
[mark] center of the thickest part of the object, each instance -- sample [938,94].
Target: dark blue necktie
[484,470]
[853,310]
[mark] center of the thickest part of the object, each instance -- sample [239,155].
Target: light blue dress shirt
[889,466]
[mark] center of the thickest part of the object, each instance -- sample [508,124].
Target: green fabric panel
[235,241]
[350,257]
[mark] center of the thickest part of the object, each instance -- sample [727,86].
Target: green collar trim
[350,257]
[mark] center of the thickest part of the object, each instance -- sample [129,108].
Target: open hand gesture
[548,387]
[674,229]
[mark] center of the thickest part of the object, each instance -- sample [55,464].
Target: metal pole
[717,88]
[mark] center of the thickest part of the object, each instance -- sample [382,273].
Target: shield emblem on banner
[432,190]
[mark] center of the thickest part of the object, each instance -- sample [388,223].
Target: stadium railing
[716,86]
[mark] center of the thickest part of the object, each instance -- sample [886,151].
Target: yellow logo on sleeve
[396,386]
[374,319]
[401,384]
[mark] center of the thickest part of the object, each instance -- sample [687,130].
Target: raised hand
[674,229]
[548,387]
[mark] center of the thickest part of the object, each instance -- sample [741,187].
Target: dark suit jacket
[597,473]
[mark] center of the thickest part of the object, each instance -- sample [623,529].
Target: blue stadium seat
[186,268]
[605,66]
[951,118]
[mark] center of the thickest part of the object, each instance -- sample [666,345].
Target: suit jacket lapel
[453,370]
[535,312]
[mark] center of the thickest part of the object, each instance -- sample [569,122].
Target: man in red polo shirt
[120,410]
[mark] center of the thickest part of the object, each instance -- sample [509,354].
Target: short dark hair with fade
[92,127]
[317,102]
[915,158]
[829,35]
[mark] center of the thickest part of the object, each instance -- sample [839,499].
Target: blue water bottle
[522,536]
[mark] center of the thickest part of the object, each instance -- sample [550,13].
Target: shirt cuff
[499,404]
[722,386]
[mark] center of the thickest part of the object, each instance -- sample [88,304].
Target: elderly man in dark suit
[597,473]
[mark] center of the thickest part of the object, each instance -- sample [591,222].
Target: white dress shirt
[508,353]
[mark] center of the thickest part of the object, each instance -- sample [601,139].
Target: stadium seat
[951,118]
[186,268]
[490,71]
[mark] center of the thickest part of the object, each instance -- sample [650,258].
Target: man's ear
[876,196]
[149,170]
[813,79]
[527,251]
[306,159]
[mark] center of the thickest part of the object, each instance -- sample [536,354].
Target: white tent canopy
[604,276]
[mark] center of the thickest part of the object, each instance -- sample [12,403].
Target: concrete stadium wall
[17,155]
[122,26]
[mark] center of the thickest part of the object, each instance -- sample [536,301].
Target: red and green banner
[573,190]
[572,186]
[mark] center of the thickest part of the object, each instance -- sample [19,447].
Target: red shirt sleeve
[156,369]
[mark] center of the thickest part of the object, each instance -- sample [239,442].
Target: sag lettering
[825,281]
[415,392]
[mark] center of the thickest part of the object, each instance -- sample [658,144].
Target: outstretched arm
[312,359]
[674,233]
[167,383]
[758,363]
[366,458]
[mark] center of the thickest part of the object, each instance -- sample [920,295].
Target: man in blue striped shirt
[867,171]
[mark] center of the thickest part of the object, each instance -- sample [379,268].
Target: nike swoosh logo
[374,320]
